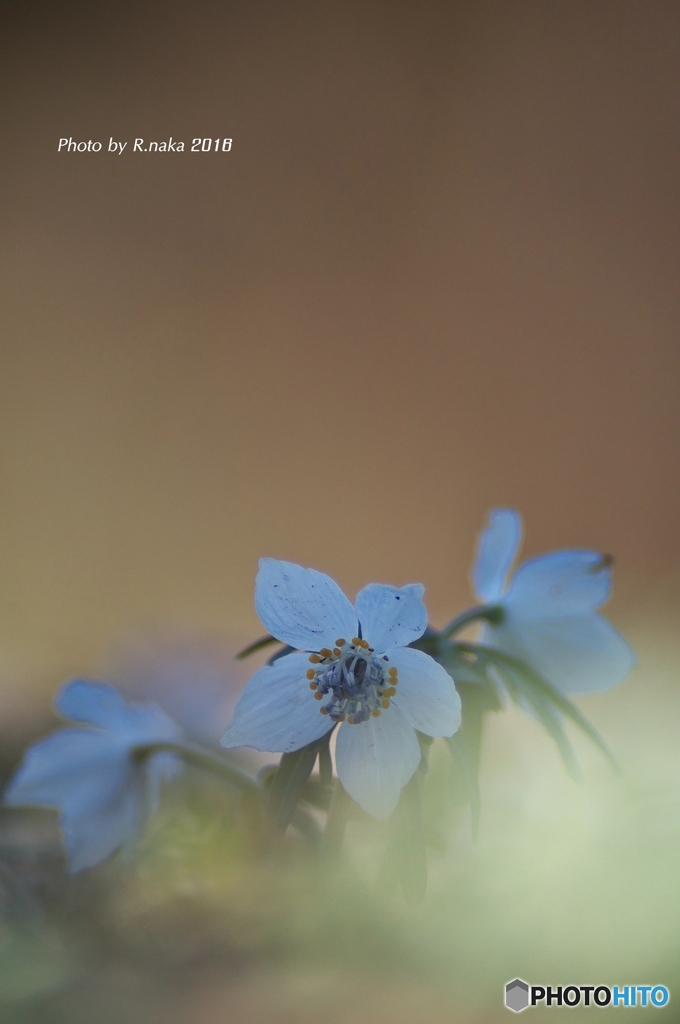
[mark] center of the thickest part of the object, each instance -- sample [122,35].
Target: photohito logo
[519,995]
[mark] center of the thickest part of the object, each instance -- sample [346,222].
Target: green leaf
[336,822]
[465,761]
[519,686]
[281,654]
[257,645]
[435,839]
[478,695]
[465,745]
[306,826]
[325,762]
[266,776]
[316,793]
[289,782]
[539,686]
[425,743]
[406,852]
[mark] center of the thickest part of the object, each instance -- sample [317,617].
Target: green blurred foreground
[567,884]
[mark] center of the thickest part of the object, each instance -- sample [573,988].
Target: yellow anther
[318,696]
[341,718]
[341,642]
[313,686]
[326,652]
[385,703]
[356,641]
[376,713]
[311,674]
[350,719]
[390,691]
[324,711]
[337,652]
[314,658]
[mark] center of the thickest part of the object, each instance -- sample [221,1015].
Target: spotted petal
[391,617]
[583,654]
[560,584]
[376,759]
[277,710]
[425,692]
[497,547]
[302,607]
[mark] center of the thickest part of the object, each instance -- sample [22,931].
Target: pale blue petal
[391,617]
[88,775]
[102,705]
[302,607]
[376,759]
[563,583]
[584,654]
[83,700]
[91,838]
[497,547]
[121,822]
[425,692]
[277,710]
[74,770]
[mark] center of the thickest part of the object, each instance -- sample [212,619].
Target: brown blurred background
[436,273]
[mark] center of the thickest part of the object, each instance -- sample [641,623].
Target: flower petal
[497,547]
[376,759]
[102,705]
[563,583]
[74,770]
[277,710]
[391,617]
[425,692]
[103,796]
[302,607]
[584,654]
[91,838]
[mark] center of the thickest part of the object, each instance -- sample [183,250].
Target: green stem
[492,613]
[203,757]
[336,822]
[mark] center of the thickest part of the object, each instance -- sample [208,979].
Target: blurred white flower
[360,674]
[549,618]
[88,773]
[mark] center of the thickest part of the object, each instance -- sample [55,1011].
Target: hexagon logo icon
[517,995]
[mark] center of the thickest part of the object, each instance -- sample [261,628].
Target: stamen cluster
[358,682]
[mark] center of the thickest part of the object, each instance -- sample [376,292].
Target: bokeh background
[438,272]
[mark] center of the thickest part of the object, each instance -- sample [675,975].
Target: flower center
[357,682]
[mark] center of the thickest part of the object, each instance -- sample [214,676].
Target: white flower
[360,674]
[88,773]
[549,607]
